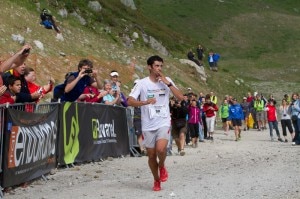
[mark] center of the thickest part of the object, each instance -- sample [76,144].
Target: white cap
[189,89]
[114,74]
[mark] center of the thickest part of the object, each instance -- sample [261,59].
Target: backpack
[59,89]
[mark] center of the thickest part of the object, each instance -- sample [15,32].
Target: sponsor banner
[30,141]
[92,131]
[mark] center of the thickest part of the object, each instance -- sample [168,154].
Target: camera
[284,115]
[88,71]
[25,51]
[40,90]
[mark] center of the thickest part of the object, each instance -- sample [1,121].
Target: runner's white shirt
[154,116]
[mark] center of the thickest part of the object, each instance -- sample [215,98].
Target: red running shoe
[156,186]
[163,174]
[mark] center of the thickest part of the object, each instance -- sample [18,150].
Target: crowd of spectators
[18,83]
[200,114]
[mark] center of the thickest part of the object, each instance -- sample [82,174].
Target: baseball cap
[114,74]
[245,98]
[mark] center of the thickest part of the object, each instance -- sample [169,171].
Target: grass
[258,40]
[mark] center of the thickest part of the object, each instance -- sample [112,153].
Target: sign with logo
[30,141]
[91,132]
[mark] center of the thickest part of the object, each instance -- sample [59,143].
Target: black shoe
[280,139]
[211,138]
[285,140]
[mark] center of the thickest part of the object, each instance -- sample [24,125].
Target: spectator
[30,77]
[210,112]
[14,87]
[16,67]
[48,21]
[213,59]
[286,120]
[224,114]
[194,122]
[179,111]
[109,98]
[214,98]
[259,112]
[116,86]
[76,82]
[272,119]
[91,94]
[294,111]
[12,62]
[287,98]
[235,116]
[203,117]
[250,98]
[246,110]
[191,57]
[200,52]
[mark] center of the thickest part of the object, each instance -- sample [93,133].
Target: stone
[18,38]
[95,6]
[129,3]
[63,13]
[39,44]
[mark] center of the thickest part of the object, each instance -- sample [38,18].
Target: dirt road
[254,167]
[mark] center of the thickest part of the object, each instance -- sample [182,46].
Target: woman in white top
[286,119]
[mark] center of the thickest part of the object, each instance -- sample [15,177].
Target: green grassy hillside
[258,40]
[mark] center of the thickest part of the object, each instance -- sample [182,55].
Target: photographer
[78,81]
[16,63]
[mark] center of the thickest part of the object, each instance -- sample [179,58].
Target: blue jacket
[235,112]
[294,108]
[216,57]
[78,88]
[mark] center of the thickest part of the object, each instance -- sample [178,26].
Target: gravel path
[254,167]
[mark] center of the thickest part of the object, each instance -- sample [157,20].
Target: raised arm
[16,60]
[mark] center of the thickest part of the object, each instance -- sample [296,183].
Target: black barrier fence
[35,138]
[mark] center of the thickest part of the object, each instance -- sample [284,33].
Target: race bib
[157,111]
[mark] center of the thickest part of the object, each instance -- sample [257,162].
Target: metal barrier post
[2,121]
[132,136]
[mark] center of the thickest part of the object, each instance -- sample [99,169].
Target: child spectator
[14,87]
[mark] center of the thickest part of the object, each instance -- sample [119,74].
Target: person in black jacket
[191,56]
[179,112]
